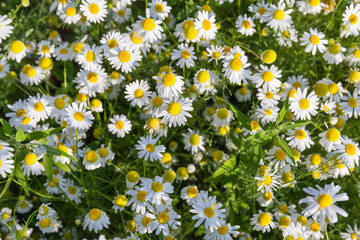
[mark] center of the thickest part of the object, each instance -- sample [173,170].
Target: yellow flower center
[119,124]
[350,149]
[45,63]
[333,88]
[302,220]
[261,10]
[16,46]
[300,134]
[324,200]
[167,160]
[150,148]
[304,104]
[267,76]
[356,53]
[138,93]
[269,95]
[267,180]
[103,152]
[279,14]
[192,191]
[206,8]
[91,156]
[254,125]
[287,177]
[334,48]
[63,51]
[263,169]
[353,19]
[112,43]
[269,56]
[72,190]
[315,159]
[79,116]
[315,227]
[124,56]
[54,182]
[136,39]
[121,12]
[159,7]
[268,112]
[153,123]
[94,8]
[5,216]
[235,64]
[209,212]
[314,39]
[133,176]
[148,24]
[146,221]
[30,158]
[174,108]
[284,221]
[25,120]
[157,101]
[31,72]
[246,24]
[296,85]
[141,195]
[222,230]
[283,208]
[78,47]
[39,106]
[352,102]
[285,34]
[206,25]
[333,134]
[169,79]
[217,155]
[264,219]
[163,218]
[94,214]
[267,196]
[222,113]
[354,76]
[121,201]
[243,90]
[280,155]
[216,55]
[185,54]
[90,56]
[45,223]
[157,187]
[203,76]
[321,89]
[191,32]
[194,139]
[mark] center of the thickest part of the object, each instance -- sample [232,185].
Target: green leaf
[286,148]
[7,127]
[20,136]
[62,166]
[287,126]
[8,182]
[58,152]
[20,176]
[282,112]
[235,140]
[42,134]
[48,163]
[245,122]
[227,166]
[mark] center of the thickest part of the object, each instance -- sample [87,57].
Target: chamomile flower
[235,69]
[6,165]
[159,9]
[353,58]
[45,49]
[69,14]
[119,125]
[222,117]
[96,220]
[349,152]
[215,53]
[31,164]
[73,192]
[5,27]
[207,210]
[94,10]
[206,25]
[140,200]
[163,219]
[90,57]
[185,56]
[267,77]
[224,232]
[77,116]
[148,28]
[329,138]
[287,37]
[92,160]
[328,107]
[351,19]
[299,138]
[321,203]
[350,105]
[304,106]
[296,82]
[189,194]
[259,8]
[137,93]
[333,54]
[176,111]
[314,41]
[153,106]
[339,169]
[46,225]
[351,233]
[4,68]
[39,107]
[125,58]
[45,211]
[268,98]
[27,123]
[92,81]
[267,114]
[263,221]
[204,79]
[193,141]
[147,148]
[243,94]
[24,206]
[31,75]
[245,25]
[310,6]
[105,154]
[121,12]
[277,17]
[142,222]
[110,41]
[157,189]
[17,50]
[119,202]
[62,52]
[268,182]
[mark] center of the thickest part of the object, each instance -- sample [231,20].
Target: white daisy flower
[6,165]
[24,206]
[59,4]
[169,84]
[310,6]
[268,98]
[193,141]
[119,202]
[92,82]
[185,54]
[73,192]
[176,111]
[350,105]
[39,107]
[140,200]
[304,106]
[119,125]
[5,27]
[69,14]
[189,194]
[223,117]
[94,10]
[215,53]
[4,68]
[235,69]
[259,8]
[268,182]
[299,138]
[148,28]
[31,75]
[63,159]
[314,41]
[321,203]
[96,220]
[209,211]
[277,17]
[45,211]
[121,12]
[349,152]
[333,54]
[110,41]
[351,19]
[46,225]
[137,93]
[351,233]
[147,148]
[31,164]
[245,25]
[126,58]
[329,138]
[45,49]
[243,94]
[17,110]
[267,114]
[27,123]
[328,107]
[263,221]
[132,40]
[62,52]
[78,117]
[153,106]
[17,50]
[157,189]
[268,78]
[339,169]
[206,25]
[287,37]
[142,222]
[164,218]
[92,160]
[353,58]
[90,57]
[159,9]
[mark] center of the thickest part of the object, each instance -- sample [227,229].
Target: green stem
[187,232]
[326,233]
[65,75]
